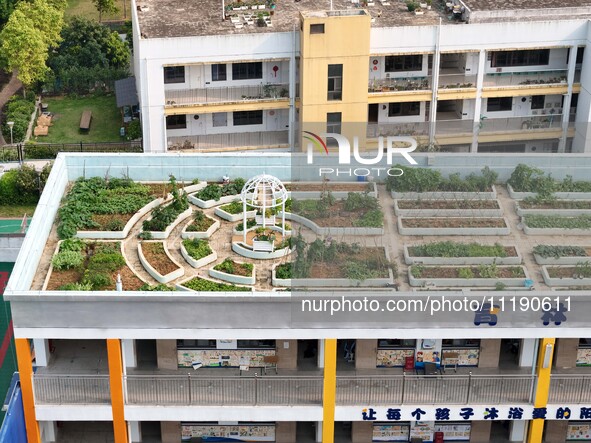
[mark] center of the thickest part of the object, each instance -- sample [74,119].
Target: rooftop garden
[457,249]
[430,180]
[529,179]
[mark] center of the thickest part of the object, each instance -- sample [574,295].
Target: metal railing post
[531,388]
[469,390]
[190,389]
[403,387]
[256,389]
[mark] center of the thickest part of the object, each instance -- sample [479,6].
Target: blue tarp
[13,427]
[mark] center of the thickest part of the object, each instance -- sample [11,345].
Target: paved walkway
[8,91]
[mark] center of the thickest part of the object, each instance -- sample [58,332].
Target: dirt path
[8,91]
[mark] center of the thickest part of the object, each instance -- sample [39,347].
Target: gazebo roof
[263,191]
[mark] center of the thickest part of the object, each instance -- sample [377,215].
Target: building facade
[155,365]
[463,80]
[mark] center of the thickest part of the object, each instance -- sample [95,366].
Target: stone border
[445,195]
[314,195]
[330,230]
[466,282]
[48,276]
[233,217]
[453,231]
[239,249]
[163,235]
[206,204]
[201,234]
[448,212]
[202,261]
[572,261]
[179,286]
[568,281]
[563,212]
[331,282]
[232,278]
[559,195]
[458,261]
[553,231]
[275,228]
[152,271]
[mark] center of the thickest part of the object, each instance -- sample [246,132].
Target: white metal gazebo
[263,192]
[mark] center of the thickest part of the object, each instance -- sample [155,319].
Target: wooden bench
[85,120]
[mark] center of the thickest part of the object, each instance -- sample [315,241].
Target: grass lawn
[86,9]
[106,120]
[16,211]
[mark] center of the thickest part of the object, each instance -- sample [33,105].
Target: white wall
[383,115]
[522,107]
[380,72]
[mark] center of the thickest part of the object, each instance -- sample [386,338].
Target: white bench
[269,221]
[263,246]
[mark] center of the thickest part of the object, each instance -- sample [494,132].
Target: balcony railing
[227,94]
[385,129]
[530,123]
[261,139]
[455,81]
[527,78]
[570,389]
[447,389]
[71,389]
[400,84]
[187,390]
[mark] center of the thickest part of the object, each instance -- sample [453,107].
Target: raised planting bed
[579,275]
[232,212]
[197,252]
[453,226]
[156,260]
[527,181]
[561,255]
[314,190]
[429,184]
[567,208]
[251,224]
[556,225]
[357,214]
[234,272]
[201,226]
[332,264]
[456,276]
[448,208]
[79,265]
[215,194]
[246,251]
[455,253]
[159,225]
[200,284]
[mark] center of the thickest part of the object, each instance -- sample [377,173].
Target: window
[495,104]
[335,82]
[333,122]
[256,344]
[574,101]
[535,57]
[245,118]
[580,54]
[404,63]
[218,73]
[584,342]
[317,28]
[404,109]
[176,122]
[247,71]
[461,343]
[174,74]
[537,101]
[397,343]
[196,344]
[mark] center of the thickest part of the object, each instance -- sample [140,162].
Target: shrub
[197,248]
[417,271]
[230,267]
[200,284]
[18,110]
[547,251]
[76,287]
[134,130]
[114,225]
[106,262]
[163,216]
[232,208]
[283,271]
[200,222]
[488,271]
[430,180]
[465,273]
[250,223]
[359,271]
[98,280]
[145,235]
[67,260]
[72,244]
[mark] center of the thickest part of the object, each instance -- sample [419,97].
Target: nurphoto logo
[391,147]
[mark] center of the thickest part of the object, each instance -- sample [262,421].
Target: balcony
[570,389]
[226,94]
[456,80]
[231,141]
[528,78]
[399,84]
[375,130]
[493,125]
[187,390]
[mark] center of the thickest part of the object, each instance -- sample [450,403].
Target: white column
[129,354]
[48,431]
[572,63]
[321,353]
[478,101]
[517,430]
[41,346]
[292,93]
[135,432]
[152,106]
[434,87]
[319,431]
[526,352]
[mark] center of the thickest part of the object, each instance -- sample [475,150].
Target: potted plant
[411,6]
[423,4]
[429,3]
[261,20]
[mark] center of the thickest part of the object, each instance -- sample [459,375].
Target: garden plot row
[448,208]
[532,183]
[463,276]
[564,265]
[556,225]
[453,226]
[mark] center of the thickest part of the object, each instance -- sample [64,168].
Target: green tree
[105,6]
[23,48]
[46,18]
[6,8]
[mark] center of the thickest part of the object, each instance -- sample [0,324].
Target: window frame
[176,76]
[334,126]
[500,104]
[317,28]
[407,109]
[177,125]
[537,98]
[403,63]
[247,116]
[517,58]
[216,76]
[247,71]
[334,83]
